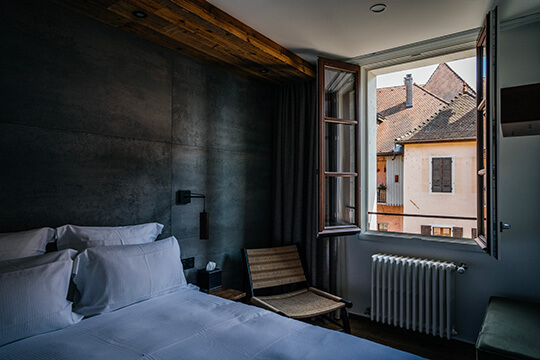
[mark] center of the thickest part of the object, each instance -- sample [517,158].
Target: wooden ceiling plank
[184,49]
[194,24]
[155,23]
[225,21]
[183,19]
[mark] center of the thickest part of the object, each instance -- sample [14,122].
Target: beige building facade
[419,197]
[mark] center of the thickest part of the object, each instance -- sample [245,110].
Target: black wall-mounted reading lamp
[184,197]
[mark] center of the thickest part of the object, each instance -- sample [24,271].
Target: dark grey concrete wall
[99,127]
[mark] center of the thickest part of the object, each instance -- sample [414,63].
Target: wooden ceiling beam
[216,16]
[200,30]
[242,55]
[186,37]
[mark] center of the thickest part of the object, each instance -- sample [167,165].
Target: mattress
[188,324]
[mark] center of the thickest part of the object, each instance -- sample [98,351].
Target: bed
[137,305]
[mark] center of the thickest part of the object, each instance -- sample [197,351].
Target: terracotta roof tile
[398,120]
[456,121]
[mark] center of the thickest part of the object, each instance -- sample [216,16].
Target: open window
[339,182]
[487,135]
[441,129]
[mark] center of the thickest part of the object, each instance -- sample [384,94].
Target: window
[442,175]
[441,231]
[424,140]
[339,185]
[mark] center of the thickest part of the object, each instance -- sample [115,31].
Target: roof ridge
[430,93]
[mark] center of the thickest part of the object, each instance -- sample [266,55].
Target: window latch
[504,226]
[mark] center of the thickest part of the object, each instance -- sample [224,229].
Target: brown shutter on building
[458,232]
[425,229]
[446,175]
[474,233]
[436,175]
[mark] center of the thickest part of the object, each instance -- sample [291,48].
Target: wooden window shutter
[425,229]
[436,175]
[446,171]
[458,232]
[474,233]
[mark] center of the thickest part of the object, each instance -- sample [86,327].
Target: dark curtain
[295,182]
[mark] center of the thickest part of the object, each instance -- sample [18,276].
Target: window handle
[504,226]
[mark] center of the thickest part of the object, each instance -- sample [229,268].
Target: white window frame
[431,174]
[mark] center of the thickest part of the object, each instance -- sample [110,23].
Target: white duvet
[188,324]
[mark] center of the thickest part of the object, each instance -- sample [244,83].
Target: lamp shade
[205,228]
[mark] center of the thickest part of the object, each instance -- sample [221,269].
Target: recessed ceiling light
[378,8]
[140,14]
[263,71]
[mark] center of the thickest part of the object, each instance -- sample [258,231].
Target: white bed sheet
[192,325]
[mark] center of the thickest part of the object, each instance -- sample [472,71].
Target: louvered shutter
[474,233]
[436,175]
[446,172]
[425,229]
[458,232]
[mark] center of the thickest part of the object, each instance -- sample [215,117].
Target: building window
[382,226]
[442,175]
[441,231]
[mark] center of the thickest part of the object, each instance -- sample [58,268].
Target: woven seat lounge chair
[270,267]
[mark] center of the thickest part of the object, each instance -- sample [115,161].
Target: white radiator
[413,293]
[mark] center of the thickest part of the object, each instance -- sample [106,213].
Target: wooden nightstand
[230,294]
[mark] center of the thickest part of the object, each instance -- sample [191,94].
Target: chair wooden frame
[272,267]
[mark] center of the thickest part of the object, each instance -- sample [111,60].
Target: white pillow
[25,243]
[33,295]
[111,277]
[83,237]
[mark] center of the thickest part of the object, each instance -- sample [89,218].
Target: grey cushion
[511,330]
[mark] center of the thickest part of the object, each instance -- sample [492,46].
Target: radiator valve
[461,268]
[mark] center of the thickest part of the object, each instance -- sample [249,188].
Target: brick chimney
[408,88]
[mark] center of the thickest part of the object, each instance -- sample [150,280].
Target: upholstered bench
[511,330]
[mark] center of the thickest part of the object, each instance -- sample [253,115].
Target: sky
[466,68]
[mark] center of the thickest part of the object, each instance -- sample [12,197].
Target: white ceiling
[343,29]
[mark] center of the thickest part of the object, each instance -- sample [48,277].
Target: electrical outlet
[188,263]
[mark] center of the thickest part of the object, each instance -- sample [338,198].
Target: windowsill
[421,240]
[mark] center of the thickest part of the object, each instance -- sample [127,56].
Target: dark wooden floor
[427,346]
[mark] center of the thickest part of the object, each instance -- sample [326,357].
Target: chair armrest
[260,303]
[348,304]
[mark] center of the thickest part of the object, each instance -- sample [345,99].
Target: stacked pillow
[116,267]
[83,237]
[25,243]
